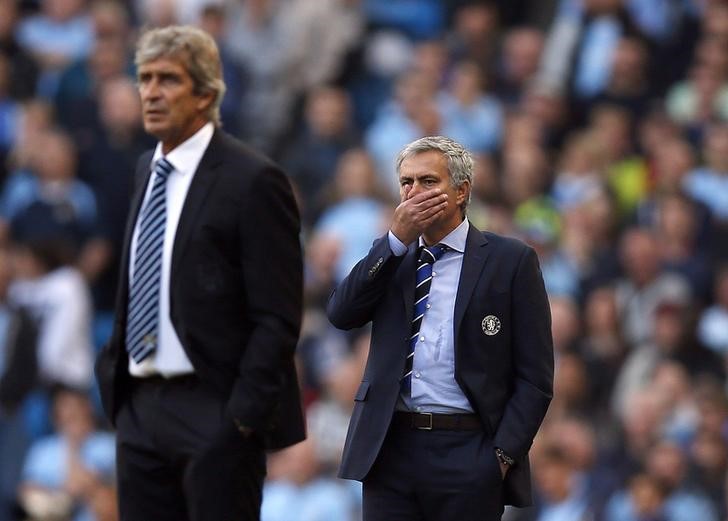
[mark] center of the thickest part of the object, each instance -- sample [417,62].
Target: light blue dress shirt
[434,388]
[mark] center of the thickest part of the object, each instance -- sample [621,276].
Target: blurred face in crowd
[712,53]
[571,386]
[8,17]
[553,476]
[715,21]
[666,464]
[524,172]
[58,160]
[612,128]
[676,220]
[62,10]
[355,175]
[119,105]
[327,112]
[486,185]
[576,438]
[629,60]
[673,160]
[413,90]
[431,59]
[639,256]
[108,59]
[476,22]
[602,6]
[6,272]
[73,416]
[564,322]
[716,148]
[171,109]
[710,453]
[721,288]
[110,20]
[522,53]
[466,82]
[601,312]
[581,156]
[655,129]
[4,75]
[647,495]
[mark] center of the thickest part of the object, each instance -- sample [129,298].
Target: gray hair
[199,54]
[459,160]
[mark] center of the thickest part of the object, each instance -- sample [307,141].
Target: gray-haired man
[198,377]
[460,368]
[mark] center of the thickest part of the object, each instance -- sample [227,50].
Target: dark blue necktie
[423,281]
[142,321]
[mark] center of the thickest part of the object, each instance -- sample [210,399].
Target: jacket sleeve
[532,360]
[353,301]
[272,269]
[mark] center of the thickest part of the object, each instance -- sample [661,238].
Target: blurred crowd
[600,132]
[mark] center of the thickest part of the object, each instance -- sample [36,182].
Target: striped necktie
[143,312]
[423,281]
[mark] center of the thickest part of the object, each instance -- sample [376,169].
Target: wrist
[504,458]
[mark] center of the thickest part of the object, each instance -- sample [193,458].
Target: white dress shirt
[169,358]
[434,388]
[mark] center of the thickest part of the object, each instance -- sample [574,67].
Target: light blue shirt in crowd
[322,499]
[434,388]
[594,63]
[46,464]
[711,188]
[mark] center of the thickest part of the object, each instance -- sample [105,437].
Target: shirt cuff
[397,246]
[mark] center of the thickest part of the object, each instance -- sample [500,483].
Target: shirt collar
[456,239]
[189,152]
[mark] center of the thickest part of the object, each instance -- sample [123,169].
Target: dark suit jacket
[507,377]
[235,290]
[20,347]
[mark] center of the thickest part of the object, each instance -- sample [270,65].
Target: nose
[415,189]
[149,89]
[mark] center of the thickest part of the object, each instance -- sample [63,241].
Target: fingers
[405,192]
[424,196]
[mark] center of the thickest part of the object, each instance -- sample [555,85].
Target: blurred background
[600,132]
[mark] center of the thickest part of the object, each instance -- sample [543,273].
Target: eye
[170,79]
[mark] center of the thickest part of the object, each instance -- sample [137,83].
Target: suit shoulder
[508,245]
[241,154]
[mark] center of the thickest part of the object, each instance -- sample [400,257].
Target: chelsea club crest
[491,325]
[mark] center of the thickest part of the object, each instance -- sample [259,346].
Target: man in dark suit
[198,377]
[460,368]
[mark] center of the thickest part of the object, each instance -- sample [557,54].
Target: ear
[204,101]
[462,193]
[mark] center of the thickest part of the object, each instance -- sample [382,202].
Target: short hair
[459,160]
[200,56]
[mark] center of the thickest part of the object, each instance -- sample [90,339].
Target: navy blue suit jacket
[507,377]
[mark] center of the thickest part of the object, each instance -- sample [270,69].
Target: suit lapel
[141,180]
[196,195]
[406,279]
[476,253]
